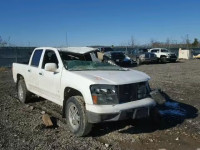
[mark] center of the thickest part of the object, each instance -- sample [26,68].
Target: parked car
[142,56]
[196,56]
[88,91]
[118,58]
[164,54]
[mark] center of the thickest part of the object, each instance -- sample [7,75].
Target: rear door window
[36,58]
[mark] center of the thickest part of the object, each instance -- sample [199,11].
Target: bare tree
[2,42]
[132,42]
[168,43]
[186,41]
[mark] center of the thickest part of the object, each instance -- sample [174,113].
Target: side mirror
[52,67]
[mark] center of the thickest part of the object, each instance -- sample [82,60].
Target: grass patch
[2,69]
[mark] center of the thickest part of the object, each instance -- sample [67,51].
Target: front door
[49,82]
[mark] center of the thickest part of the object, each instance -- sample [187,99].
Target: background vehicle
[196,56]
[119,58]
[142,56]
[105,49]
[164,55]
[89,91]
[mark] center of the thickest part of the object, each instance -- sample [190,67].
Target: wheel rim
[20,92]
[74,117]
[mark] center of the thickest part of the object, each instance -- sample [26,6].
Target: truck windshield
[78,65]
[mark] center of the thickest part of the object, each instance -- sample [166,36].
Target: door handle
[40,73]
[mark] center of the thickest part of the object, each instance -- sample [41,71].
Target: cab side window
[49,57]
[36,58]
[155,51]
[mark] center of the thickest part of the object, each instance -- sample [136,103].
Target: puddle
[172,109]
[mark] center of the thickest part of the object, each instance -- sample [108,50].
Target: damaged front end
[158,96]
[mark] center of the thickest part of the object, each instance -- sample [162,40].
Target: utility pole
[187,41]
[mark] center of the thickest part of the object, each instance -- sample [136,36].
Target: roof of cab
[80,50]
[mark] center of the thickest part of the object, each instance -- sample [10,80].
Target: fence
[9,55]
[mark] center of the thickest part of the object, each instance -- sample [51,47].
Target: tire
[76,116]
[23,93]
[163,60]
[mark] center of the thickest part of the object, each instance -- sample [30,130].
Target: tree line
[186,43]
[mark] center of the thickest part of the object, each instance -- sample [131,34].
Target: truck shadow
[35,99]
[172,112]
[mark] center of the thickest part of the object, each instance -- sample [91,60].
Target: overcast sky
[97,22]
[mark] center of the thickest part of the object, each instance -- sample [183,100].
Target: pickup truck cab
[89,91]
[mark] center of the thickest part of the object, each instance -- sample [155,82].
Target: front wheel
[76,116]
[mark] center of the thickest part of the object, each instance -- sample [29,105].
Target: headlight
[142,56]
[104,94]
[143,90]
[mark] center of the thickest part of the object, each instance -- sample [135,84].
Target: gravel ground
[21,125]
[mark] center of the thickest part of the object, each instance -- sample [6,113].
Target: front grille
[152,55]
[132,92]
[172,56]
[148,55]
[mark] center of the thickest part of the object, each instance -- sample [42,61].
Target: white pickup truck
[89,91]
[163,54]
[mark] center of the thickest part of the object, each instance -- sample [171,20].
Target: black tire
[23,93]
[163,59]
[77,123]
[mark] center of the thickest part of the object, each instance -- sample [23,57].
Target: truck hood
[113,77]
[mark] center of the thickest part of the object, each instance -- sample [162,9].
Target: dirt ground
[21,125]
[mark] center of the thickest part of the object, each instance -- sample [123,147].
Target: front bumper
[149,59]
[133,110]
[171,58]
[123,63]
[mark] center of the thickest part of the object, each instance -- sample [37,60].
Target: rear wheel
[23,93]
[76,116]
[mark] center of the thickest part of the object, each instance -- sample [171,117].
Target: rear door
[33,71]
